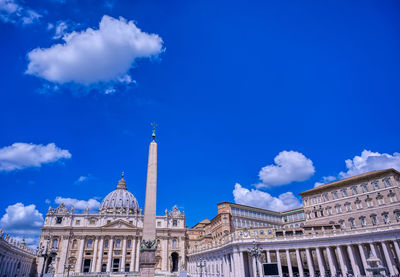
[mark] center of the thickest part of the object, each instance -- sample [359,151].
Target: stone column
[389,259]
[332,266]
[278,258]
[289,263]
[364,259]
[100,258]
[132,263]
[342,262]
[321,265]
[123,262]
[268,257]
[137,253]
[310,263]
[63,256]
[78,267]
[164,254]
[375,252]
[95,248]
[110,254]
[299,263]
[241,265]
[397,249]
[354,265]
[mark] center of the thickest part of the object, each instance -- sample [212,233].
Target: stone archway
[175,261]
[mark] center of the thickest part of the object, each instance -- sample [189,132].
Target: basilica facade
[108,240]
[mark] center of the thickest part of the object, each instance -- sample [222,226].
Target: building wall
[16,259]
[357,203]
[91,242]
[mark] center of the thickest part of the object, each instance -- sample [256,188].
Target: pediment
[119,224]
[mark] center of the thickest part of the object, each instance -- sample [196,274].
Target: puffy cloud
[370,161]
[92,203]
[22,220]
[264,200]
[12,11]
[290,166]
[21,155]
[95,56]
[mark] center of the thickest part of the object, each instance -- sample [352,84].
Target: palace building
[351,226]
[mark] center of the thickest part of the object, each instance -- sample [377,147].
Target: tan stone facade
[356,202]
[309,241]
[102,242]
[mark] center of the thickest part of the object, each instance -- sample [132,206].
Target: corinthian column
[80,255]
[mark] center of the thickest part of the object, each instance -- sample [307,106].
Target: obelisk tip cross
[154,130]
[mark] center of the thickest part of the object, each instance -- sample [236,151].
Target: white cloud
[23,220]
[95,56]
[290,166]
[261,199]
[92,203]
[12,11]
[21,155]
[60,29]
[82,179]
[370,161]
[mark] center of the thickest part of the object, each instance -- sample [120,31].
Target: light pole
[255,252]
[201,264]
[45,253]
[70,264]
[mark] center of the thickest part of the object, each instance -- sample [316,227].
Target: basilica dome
[120,200]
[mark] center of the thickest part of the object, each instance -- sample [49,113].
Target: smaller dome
[119,200]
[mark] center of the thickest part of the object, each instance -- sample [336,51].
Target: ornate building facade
[16,259]
[108,241]
[351,226]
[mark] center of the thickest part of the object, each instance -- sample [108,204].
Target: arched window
[129,243]
[174,243]
[118,243]
[89,243]
[55,243]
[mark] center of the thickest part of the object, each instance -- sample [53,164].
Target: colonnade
[15,265]
[319,260]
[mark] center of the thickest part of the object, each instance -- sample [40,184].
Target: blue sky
[233,85]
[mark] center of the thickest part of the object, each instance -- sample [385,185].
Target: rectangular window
[59,220]
[348,207]
[158,223]
[373,220]
[313,200]
[365,188]
[370,203]
[387,182]
[381,201]
[393,198]
[363,221]
[326,197]
[77,222]
[354,190]
[344,193]
[359,205]
[376,185]
[335,195]
[174,222]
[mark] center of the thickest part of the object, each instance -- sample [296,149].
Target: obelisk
[148,245]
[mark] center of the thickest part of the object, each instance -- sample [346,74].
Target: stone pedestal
[147,262]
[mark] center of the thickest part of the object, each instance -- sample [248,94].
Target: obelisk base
[147,262]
